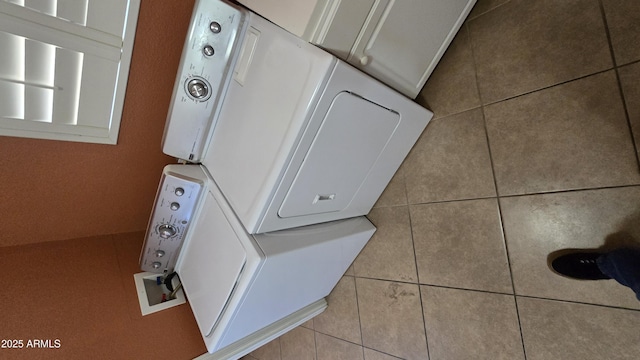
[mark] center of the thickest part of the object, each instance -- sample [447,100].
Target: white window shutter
[63,74]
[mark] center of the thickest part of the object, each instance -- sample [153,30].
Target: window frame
[90,38]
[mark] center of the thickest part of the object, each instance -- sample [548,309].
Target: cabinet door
[338,24]
[402,41]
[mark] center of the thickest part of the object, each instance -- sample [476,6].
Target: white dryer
[292,135]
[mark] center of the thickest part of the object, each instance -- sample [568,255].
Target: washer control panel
[175,204]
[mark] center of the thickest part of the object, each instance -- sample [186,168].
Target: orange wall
[54,190]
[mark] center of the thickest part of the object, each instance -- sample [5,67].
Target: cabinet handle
[364,61]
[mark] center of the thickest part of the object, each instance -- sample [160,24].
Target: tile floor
[533,148]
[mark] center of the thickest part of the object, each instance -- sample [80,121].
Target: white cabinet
[396,41]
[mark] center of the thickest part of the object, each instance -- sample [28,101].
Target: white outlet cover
[147,309]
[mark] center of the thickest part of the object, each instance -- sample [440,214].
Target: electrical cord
[167,281]
[169,285]
[172,295]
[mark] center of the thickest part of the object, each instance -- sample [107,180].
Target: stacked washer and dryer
[286,148]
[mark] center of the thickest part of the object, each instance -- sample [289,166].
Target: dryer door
[353,134]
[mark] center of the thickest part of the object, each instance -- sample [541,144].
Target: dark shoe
[576,264]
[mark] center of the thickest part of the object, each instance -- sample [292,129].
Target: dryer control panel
[175,204]
[207,63]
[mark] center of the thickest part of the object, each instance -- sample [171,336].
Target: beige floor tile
[538,225]
[391,318]
[483,6]
[389,253]
[463,324]
[460,244]
[340,319]
[268,351]
[298,344]
[570,136]
[350,271]
[623,17]
[452,88]
[376,355]
[308,324]
[330,348]
[526,45]
[450,161]
[395,193]
[630,80]
[568,331]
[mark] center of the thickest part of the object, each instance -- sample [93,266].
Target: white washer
[293,135]
[239,284]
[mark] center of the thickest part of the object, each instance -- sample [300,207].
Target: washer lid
[211,264]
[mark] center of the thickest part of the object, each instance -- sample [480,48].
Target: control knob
[215,27]
[198,89]
[208,50]
[166,231]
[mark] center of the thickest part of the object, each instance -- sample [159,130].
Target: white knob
[364,60]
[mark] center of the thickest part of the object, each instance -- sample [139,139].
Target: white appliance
[399,42]
[291,141]
[238,284]
[292,135]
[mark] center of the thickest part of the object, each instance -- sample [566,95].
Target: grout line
[628,118]
[339,338]
[606,31]
[615,67]
[629,63]
[545,87]
[513,284]
[499,293]
[355,286]
[495,184]
[464,289]
[315,342]
[454,113]
[621,92]
[452,200]
[569,191]
[381,352]
[415,262]
[351,342]
[488,11]
[521,195]
[434,285]
[577,302]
